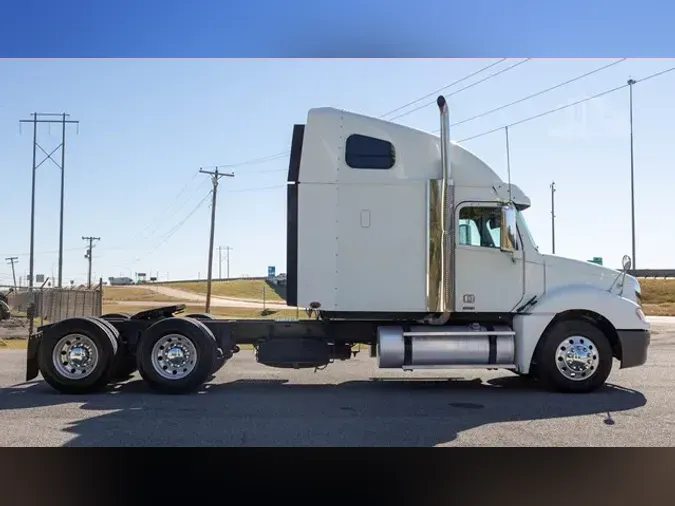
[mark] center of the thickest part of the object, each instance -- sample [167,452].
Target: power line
[254,161]
[565,83]
[169,234]
[168,216]
[129,247]
[483,69]
[485,113]
[258,189]
[173,201]
[551,111]
[177,227]
[463,89]
[277,156]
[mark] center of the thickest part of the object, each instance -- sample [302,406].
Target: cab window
[480,226]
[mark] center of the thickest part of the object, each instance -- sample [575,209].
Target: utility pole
[220,261]
[553,217]
[88,255]
[12,261]
[215,177]
[631,82]
[228,249]
[49,118]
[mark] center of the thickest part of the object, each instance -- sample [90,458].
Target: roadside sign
[271,271]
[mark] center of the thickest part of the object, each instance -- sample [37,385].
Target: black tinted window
[364,152]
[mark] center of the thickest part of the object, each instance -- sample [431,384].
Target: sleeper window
[362,152]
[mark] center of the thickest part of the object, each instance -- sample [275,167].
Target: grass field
[134,293]
[658,296]
[244,289]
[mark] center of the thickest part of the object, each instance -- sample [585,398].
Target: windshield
[526,229]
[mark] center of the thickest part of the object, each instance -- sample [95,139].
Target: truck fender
[620,312]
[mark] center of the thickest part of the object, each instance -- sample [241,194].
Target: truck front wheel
[574,356]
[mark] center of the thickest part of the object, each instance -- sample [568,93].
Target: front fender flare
[622,313]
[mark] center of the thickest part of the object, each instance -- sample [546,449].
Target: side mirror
[509,234]
[626,263]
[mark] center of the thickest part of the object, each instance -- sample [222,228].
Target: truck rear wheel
[176,355]
[574,357]
[75,355]
[220,356]
[125,362]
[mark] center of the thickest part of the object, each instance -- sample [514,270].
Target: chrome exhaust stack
[441,229]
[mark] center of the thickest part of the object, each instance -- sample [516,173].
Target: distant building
[120,281]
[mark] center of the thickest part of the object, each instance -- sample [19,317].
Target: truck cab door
[489,266]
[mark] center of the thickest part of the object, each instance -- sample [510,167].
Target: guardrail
[253,278]
[652,273]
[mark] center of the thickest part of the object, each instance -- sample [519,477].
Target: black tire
[200,316]
[220,357]
[591,337]
[5,312]
[124,365]
[116,316]
[106,346]
[197,335]
[219,362]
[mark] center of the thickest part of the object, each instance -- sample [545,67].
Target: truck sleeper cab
[397,239]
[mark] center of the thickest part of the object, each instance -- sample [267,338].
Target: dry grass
[658,291]
[13,344]
[667,309]
[134,293]
[220,312]
[244,289]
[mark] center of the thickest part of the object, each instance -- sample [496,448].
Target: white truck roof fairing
[418,154]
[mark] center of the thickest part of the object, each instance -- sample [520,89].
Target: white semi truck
[397,239]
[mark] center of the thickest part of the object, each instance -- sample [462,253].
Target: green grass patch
[245,289]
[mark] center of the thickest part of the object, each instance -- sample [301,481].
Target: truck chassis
[178,355]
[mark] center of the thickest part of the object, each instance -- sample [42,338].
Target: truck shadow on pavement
[375,412]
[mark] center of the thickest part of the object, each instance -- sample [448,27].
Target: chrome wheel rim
[577,358]
[75,356]
[174,356]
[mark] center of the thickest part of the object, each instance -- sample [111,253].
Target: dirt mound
[14,328]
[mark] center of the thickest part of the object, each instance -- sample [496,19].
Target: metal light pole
[631,82]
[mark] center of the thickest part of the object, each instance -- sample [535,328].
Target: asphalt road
[248,404]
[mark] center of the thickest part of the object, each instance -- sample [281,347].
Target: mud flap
[32,369]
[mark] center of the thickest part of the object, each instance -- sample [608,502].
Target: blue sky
[336,28]
[146,126]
